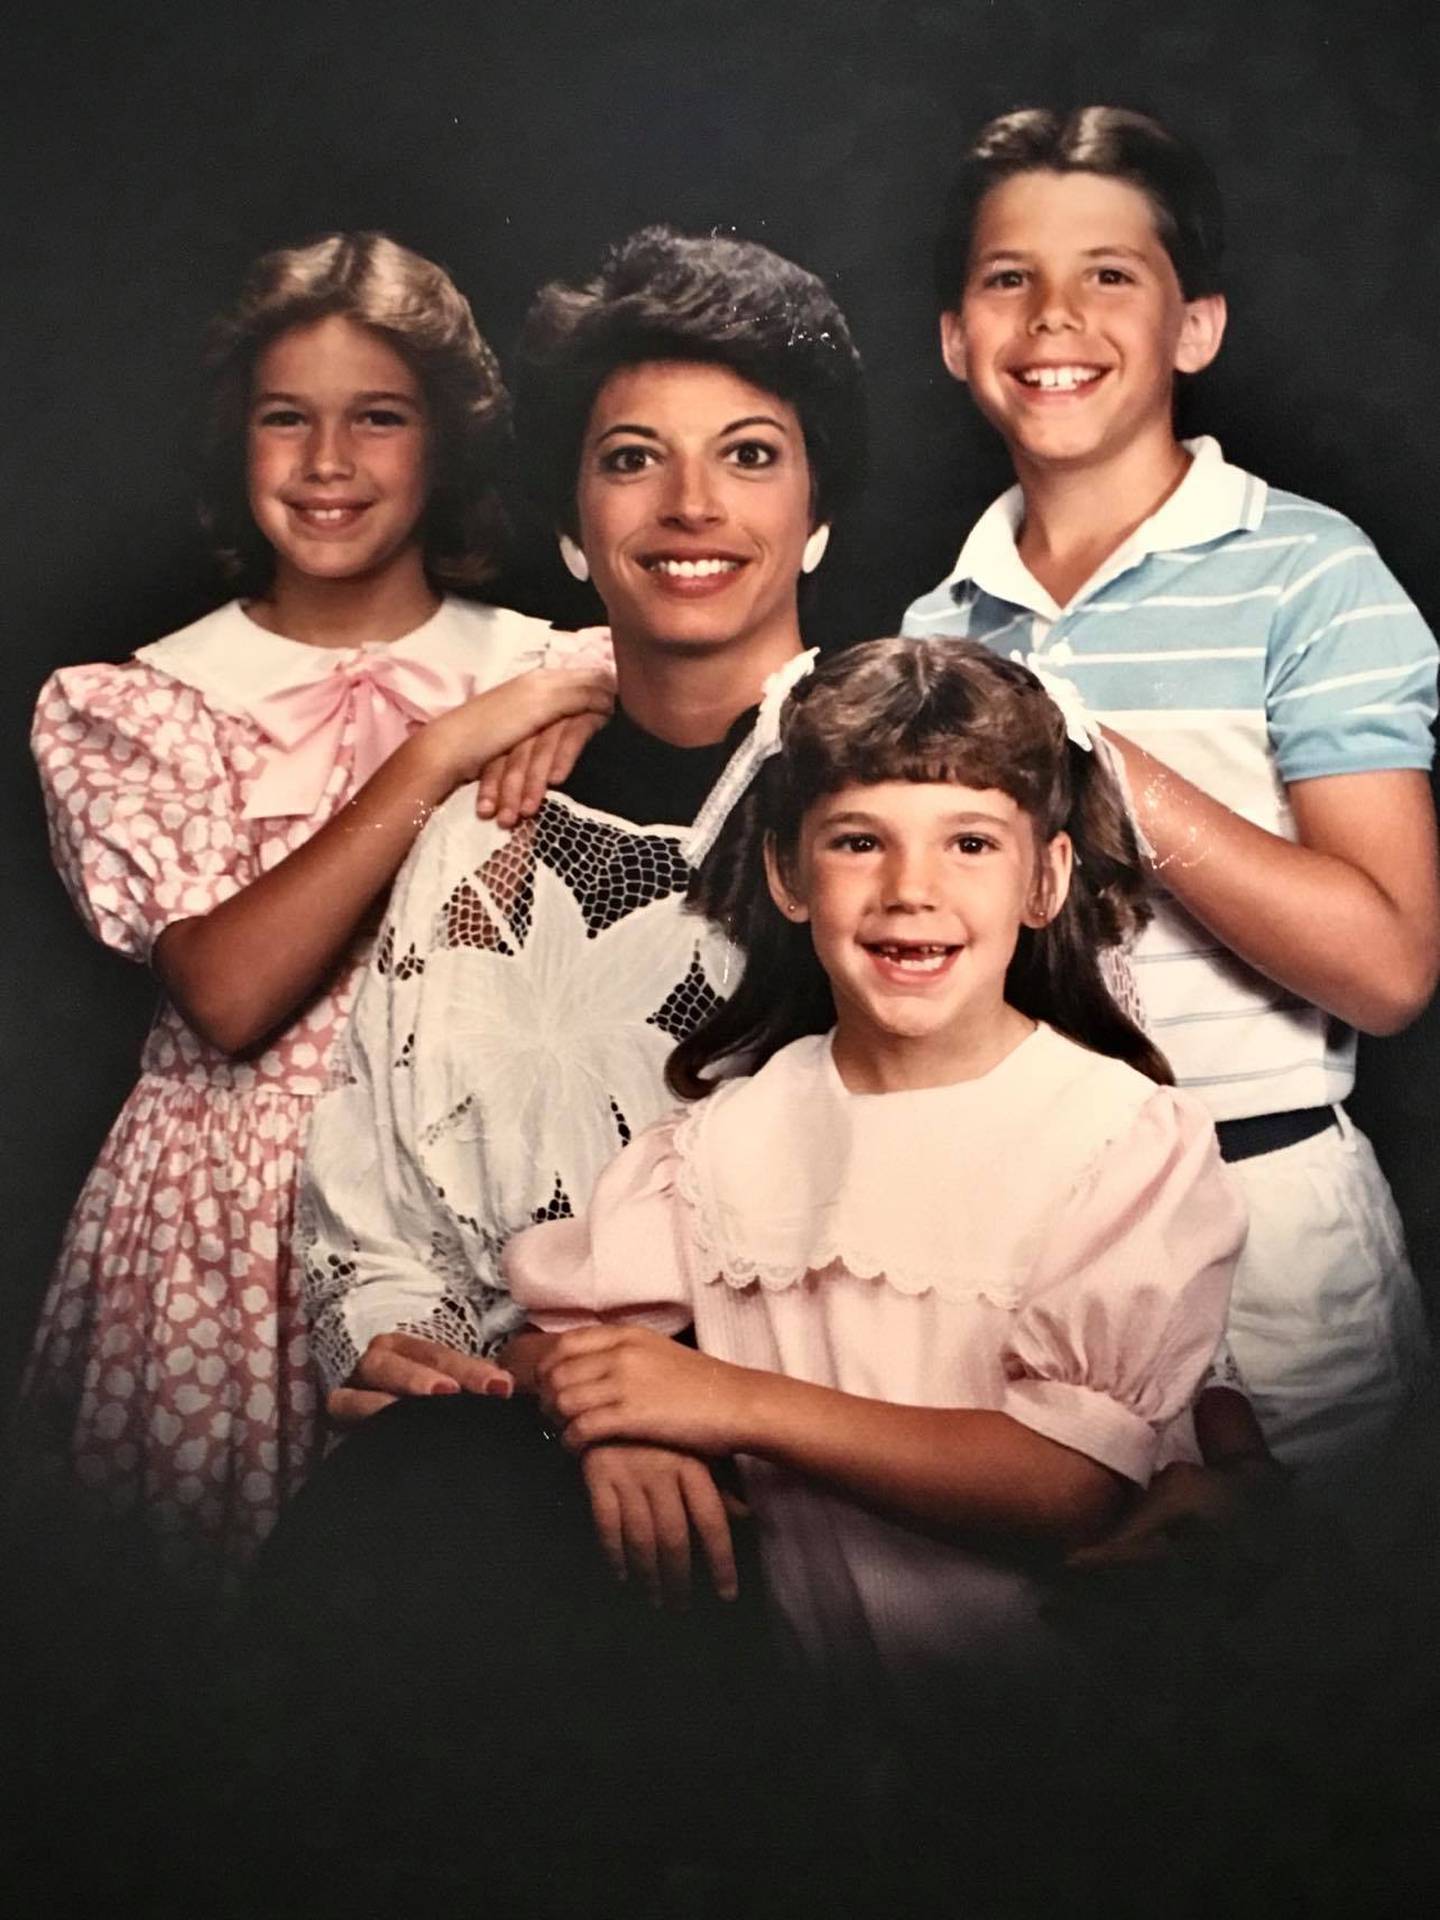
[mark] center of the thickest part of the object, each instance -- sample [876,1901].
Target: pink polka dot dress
[170,1369]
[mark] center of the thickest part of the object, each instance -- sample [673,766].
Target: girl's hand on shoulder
[464,742]
[627,1383]
[646,1503]
[512,787]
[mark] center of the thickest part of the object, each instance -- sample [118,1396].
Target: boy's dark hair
[941,709]
[416,307]
[1113,141]
[662,295]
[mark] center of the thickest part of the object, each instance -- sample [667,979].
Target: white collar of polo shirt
[1212,500]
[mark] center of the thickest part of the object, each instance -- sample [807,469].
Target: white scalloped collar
[231,660]
[948,1189]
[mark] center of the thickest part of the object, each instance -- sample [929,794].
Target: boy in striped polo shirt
[1270,688]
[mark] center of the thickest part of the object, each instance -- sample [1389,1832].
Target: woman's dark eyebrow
[734,426]
[626,426]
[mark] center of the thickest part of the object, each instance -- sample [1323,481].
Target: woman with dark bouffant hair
[690,418]
[229,806]
[666,297]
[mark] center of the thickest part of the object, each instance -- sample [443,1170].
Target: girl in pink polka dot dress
[230,806]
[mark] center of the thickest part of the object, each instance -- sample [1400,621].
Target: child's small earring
[575,562]
[815,547]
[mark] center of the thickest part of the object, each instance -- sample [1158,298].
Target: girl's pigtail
[783,992]
[1056,974]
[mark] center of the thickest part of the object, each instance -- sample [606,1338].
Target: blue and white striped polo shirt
[1248,638]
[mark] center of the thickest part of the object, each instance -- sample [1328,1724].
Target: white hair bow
[1080,728]
[754,750]
[1083,730]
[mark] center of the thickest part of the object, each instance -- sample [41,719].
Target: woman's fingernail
[445,1386]
[486,807]
[501,1389]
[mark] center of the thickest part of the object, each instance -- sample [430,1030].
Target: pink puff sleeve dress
[1054,1240]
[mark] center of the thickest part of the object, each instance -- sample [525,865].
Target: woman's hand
[646,1503]
[512,786]
[463,743]
[626,1383]
[407,1366]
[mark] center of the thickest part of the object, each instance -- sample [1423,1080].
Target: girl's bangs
[929,759]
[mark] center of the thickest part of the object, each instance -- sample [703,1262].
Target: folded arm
[940,1468]
[238,971]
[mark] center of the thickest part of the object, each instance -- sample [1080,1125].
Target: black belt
[1267,1132]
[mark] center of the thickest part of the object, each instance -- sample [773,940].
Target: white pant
[1326,1320]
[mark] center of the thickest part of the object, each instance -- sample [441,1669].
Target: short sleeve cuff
[668,1320]
[1090,1422]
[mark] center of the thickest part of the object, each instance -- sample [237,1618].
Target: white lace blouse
[508,1037]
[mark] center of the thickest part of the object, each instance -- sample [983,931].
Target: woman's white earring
[574,558]
[815,549]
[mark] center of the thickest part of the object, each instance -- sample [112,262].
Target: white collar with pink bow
[302,698]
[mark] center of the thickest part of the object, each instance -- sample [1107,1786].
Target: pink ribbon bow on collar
[383,692]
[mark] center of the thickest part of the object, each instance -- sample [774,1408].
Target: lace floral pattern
[508,1040]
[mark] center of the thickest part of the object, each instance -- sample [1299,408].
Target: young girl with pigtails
[229,806]
[955,1252]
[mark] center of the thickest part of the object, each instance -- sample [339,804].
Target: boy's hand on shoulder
[647,1502]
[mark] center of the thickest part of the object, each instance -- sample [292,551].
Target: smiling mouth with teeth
[706,569]
[1058,379]
[914,956]
[331,516]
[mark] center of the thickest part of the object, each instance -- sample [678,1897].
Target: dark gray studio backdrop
[151,156]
